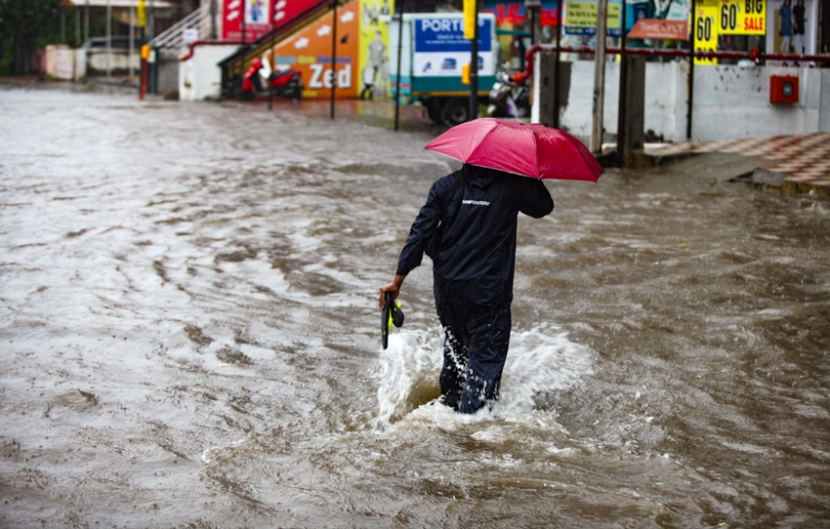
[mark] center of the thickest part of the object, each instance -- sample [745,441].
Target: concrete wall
[65,64]
[59,62]
[729,102]
[120,60]
[199,76]
[665,99]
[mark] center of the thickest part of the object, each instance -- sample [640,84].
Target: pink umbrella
[514,147]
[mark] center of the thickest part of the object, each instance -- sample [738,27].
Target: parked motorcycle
[286,83]
[510,96]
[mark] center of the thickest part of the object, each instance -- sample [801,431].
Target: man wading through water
[468,228]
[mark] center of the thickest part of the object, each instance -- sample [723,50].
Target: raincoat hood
[481,177]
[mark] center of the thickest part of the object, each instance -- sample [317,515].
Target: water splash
[408,373]
[540,360]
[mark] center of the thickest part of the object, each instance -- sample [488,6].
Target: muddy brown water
[189,330]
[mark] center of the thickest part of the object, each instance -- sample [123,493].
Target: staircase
[172,39]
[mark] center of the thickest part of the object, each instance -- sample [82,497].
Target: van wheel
[456,111]
[435,108]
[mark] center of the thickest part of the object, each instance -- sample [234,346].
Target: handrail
[192,46]
[172,35]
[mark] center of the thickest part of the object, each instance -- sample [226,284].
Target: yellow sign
[742,17]
[145,52]
[465,74]
[373,53]
[706,31]
[142,13]
[470,7]
[584,15]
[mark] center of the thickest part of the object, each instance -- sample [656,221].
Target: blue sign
[447,35]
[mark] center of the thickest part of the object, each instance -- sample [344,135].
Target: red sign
[655,28]
[514,13]
[258,16]
[754,24]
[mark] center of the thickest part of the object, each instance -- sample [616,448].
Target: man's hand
[393,288]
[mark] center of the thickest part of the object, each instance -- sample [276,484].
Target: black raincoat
[475,210]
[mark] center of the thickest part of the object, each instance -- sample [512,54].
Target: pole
[599,78]
[150,23]
[132,42]
[400,53]
[86,21]
[532,13]
[109,37]
[622,114]
[333,54]
[557,69]
[273,64]
[693,42]
[143,81]
[213,31]
[242,39]
[474,69]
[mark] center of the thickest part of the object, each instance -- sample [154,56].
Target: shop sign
[742,17]
[581,18]
[706,29]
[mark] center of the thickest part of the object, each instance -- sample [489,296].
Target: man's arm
[423,228]
[534,198]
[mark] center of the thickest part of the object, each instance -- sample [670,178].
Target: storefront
[792,26]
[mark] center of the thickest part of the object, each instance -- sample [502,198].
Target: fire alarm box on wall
[783,89]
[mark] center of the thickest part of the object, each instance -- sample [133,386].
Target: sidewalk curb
[795,164]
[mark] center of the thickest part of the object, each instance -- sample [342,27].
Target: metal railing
[173,37]
[753,55]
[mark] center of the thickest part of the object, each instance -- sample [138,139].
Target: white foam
[540,360]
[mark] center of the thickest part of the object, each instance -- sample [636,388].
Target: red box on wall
[783,89]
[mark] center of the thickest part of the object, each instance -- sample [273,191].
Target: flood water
[189,335]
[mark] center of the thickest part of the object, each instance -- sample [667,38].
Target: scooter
[286,83]
[510,96]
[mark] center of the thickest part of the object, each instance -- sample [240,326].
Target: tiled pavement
[804,160]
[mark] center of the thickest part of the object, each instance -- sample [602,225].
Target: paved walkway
[804,159]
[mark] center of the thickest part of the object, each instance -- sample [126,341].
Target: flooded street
[189,335]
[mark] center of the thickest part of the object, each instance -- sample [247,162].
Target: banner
[309,51]
[514,12]
[373,61]
[706,29]
[663,19]
[652,28]
[742,17]
[470,17]
[581,18]
[441,49]
[257,16]
[141,11]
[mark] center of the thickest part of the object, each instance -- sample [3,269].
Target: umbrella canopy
[514,147]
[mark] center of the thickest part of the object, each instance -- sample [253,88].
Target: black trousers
[476,338]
